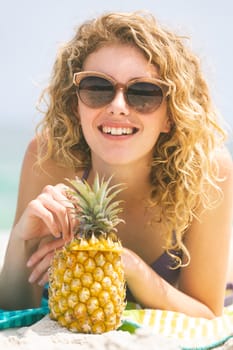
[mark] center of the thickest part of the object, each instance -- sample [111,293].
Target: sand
[49,334]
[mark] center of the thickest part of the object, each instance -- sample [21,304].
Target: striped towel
[190,332]
[22,318]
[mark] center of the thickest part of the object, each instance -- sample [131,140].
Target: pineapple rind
[87,286]
[95,244]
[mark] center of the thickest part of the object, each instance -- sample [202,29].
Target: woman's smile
[117,129]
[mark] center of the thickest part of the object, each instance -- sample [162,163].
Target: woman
[127,97]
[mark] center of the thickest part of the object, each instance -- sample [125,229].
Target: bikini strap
[85,174]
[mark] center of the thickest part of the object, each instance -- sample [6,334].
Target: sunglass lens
[144,97]
[95,91]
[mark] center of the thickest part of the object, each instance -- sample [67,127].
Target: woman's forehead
[120,58]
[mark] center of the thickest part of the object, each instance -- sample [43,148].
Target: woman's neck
[136,176]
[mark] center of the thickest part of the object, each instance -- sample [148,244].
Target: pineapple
[86,278]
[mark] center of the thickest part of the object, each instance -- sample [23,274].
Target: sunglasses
[97,90]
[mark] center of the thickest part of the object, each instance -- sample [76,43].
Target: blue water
[13,142]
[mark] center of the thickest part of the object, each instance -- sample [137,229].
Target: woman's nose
[119,104]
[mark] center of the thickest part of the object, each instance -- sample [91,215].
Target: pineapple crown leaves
[95,209]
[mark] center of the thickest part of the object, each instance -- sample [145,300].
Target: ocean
[13,143]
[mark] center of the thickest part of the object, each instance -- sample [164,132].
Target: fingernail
[31,279]
[59,235]
[29,263]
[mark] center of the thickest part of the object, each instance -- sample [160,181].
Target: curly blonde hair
[183,162]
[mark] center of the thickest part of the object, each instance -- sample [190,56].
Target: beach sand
[48,334]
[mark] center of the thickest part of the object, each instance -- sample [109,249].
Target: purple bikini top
[165,267]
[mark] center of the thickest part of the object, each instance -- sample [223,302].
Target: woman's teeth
[117,131]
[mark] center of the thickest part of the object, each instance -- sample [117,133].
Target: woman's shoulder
[34,178]
[50,169]
[224,160]
[31,149]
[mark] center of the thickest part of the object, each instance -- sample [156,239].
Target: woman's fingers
[44,279]
[44,250]
[64,209]
[56,202]
[39,272]
[51,212]
[41,209]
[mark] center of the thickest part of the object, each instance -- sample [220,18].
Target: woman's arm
[42,213]
[152,291]
[208,241]
[202,283]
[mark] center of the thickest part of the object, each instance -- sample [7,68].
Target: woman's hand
[49,214]
[46,225]
[40,261]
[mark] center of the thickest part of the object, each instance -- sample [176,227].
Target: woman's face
[103,127]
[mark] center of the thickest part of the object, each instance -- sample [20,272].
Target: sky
[31,32]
